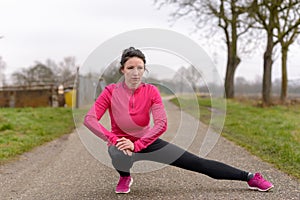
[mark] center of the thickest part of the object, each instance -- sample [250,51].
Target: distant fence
[87,89]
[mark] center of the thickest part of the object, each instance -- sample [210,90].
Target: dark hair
[129,53]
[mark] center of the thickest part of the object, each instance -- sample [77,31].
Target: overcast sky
[34,30]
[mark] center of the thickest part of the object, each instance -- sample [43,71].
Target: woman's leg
[121,162]
[164,152]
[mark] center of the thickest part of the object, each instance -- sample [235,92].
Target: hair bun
[132,52]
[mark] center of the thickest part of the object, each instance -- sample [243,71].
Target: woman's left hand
[125,145]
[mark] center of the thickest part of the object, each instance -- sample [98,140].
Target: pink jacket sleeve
[91,120]
[160,123]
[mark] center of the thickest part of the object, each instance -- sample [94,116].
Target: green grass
[273,133]
[22,129]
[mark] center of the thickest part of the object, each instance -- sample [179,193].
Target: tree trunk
[232,59]
[267,76]
[284,80]
[232,63]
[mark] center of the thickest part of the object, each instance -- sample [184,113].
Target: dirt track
[64,169]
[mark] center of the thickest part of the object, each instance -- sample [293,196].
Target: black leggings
[167,153]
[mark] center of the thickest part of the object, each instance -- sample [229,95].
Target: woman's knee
[120,161]
[115,153]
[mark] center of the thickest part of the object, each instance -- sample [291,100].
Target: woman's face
[133,71]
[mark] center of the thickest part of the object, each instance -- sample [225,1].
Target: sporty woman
[131,138]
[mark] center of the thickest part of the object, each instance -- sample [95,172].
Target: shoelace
[261,179]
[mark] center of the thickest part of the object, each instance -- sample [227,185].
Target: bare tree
[20,77]
[179,79]
[287,30]
[67,71]
[2,68]
[280,20]
[229,15]
[64,71]
[264,13]
[53,66]
[36,75]
[187,76]
[194,77]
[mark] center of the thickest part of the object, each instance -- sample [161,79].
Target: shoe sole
[255,188]
[126,192]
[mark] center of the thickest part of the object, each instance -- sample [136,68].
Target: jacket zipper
[132,101]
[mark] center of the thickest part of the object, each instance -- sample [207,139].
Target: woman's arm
[91,120]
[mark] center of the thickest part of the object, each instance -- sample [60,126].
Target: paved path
[64,169]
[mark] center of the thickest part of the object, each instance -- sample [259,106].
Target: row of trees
[245,22]
[252,88]
[189,79]
[50,72]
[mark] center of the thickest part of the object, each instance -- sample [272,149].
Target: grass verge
[273,133]
[22,129]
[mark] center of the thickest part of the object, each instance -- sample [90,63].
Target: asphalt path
[67,168]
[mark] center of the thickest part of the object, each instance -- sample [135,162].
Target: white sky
[35,30]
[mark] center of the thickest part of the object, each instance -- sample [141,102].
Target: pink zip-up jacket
[129,112]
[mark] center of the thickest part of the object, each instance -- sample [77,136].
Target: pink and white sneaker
[124,184]
[259,183]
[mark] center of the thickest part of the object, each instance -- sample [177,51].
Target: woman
[132,139]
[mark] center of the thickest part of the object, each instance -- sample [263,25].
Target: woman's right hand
[127,152]
[125,145]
